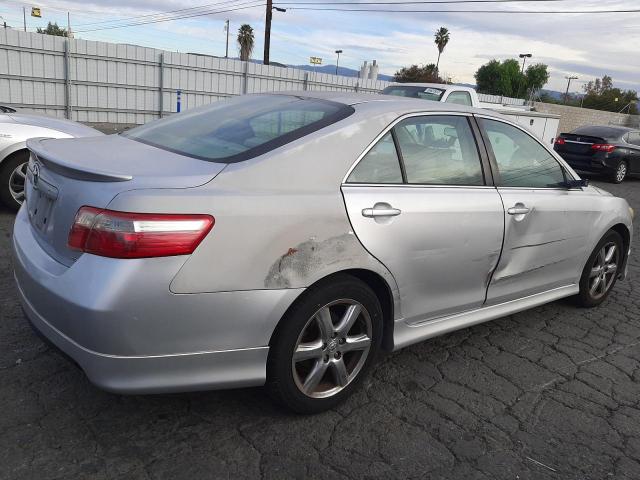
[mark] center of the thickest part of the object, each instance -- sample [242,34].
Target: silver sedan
[286,239]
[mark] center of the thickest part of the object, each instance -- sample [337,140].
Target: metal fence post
[245,78]
[67,81]
[357,87]
[305,82]
[161,87]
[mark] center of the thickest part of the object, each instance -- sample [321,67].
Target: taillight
[137,235]
[560,141]
[603,147]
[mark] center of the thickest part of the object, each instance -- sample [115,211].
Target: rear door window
[241,128]
[379,165]
[439,150]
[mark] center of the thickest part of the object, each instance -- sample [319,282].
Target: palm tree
[245,41]
[441,40]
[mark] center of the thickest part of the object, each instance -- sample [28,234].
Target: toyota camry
[287,239]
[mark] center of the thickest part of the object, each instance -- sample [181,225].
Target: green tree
[600,94]
[441,39]
[52,29]
[506,78]
[421,74]
[245,41]
[536,77]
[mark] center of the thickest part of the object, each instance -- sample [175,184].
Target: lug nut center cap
[332,345]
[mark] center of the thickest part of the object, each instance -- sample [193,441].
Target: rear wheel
[620,172]
[324,345]
[13,173]
[601,271]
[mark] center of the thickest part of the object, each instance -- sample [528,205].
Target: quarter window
[379,165]
[460,98]
[522,161]
[439,150]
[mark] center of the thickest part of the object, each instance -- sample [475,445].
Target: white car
[15,129]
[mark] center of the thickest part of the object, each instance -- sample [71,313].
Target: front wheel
[13,173]
[601,271]
[324,345]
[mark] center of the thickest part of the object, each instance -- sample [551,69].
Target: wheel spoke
[357,342]
[595,271]
[325,324]
[594,286]
[349,318]
[314,376]
[610,268]
[306,351]
[609,255]
[340,370]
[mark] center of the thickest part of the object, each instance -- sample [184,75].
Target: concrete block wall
[574,117]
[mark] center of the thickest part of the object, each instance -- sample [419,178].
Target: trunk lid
[578,144]
[66,174]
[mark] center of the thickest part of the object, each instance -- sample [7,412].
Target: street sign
[315,60]
[35,12]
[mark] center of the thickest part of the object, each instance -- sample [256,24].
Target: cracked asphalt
[551,393]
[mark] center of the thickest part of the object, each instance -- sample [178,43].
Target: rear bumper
[119,321]
[598,163]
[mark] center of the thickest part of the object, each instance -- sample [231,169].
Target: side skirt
[405,334]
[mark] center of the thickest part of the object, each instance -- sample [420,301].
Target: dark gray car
[611,151]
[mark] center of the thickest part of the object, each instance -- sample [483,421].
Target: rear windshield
[241,128]
[600,131]
[426,93]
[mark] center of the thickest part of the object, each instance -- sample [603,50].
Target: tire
[620,173]
[331,372]
[12,176]
[597,263]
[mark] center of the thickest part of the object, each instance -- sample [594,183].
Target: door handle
[518,209]
[380,212]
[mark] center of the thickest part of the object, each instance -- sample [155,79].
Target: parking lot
[548,393]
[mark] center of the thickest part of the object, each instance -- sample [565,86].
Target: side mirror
[580,183]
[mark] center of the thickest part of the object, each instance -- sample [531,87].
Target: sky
[582,45]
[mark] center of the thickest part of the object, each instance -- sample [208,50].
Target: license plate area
[41,197]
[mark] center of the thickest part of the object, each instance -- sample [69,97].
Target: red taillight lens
[137,235]
[560,141]
[603,147]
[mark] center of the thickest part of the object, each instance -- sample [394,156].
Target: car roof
[388,103]
[609,131]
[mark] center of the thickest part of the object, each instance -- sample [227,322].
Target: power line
[218,4]
[157,14]
[516,12]
[241,6]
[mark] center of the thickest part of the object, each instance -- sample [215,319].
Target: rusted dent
[303,263]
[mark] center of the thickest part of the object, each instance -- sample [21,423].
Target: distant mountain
[344,71]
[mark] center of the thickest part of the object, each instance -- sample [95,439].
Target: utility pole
[24,18]
[69,34]
[566,93]
[267,31]
[267,28]
[226,54]
[338,52]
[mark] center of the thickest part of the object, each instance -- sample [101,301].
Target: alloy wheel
[16,182]
[332,348]
[603,270]
[621,172]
